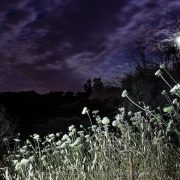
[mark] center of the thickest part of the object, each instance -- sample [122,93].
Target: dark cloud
[50,45]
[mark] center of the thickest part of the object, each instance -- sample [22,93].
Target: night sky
[52,45]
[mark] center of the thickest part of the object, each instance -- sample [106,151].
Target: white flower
[87,136]
[114,123]
[5,139]
[175,101]
[122,109]
[85,110]
[63,145]
[124,93]
[31,158]
[36,137]
[158,73]
[58,143]
[68,140]
[95,112]
[18,166]
[51,135]
[71,127]
[129,113]
[98,120]
[94,127]
[81,133]
[175,90]
[57,134]
[105,120]
[65,136]
[22,150]
[28,142]
[168,109]
[76,142]
[24,162]
[163,92]
[15,162]
[43,157]
[17,140]
[162,66]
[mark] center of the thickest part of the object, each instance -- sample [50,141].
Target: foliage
[130,146]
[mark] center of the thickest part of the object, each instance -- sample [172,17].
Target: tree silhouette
[88,87]
[97,84]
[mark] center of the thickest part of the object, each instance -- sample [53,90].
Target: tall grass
[140,145]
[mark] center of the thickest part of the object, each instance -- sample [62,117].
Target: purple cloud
[58,45]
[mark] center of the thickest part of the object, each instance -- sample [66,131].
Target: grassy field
[133,145]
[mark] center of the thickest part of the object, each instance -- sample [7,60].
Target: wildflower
[31,158]
[57,134]
[76,142]
[62,151]
[168,109]
[15,162]
[71,134]
[124,94]
[162,66]
[22,150]
[36,137]
[95,112]
[175,90]
[163,92]
[17,140]
[98,120]
[129,113]
[158,72]
[24,162]
[105,120]
[85,110]
[122,109]
[94,127]
[18,166]
[65,136]
[71,127]
[58,143]
[63,145]
[68,140]
[51,135]
[87,136]
[5,139]
[28,142]
[175,101]
[81,133]
[169,125]
[114,123]
[43,157]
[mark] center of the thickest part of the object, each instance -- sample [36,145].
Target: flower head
[85,110]
[176,90]
[105,121]
[162,66]
[124,93]
[158,72]
[168,109]
[71,127]
[24,162]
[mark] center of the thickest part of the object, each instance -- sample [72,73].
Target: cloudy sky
[48,45]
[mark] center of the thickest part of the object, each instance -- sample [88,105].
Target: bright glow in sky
[178,41]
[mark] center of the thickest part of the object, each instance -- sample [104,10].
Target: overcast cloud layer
[57,45]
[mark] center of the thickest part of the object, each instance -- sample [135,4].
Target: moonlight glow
[178,41]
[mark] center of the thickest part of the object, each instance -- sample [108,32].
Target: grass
[140,145]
